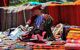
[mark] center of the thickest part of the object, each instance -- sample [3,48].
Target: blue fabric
[35,3]
[16,34]
[19,46]
[38,21]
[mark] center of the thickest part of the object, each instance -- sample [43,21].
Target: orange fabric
[74,34]
[77,2]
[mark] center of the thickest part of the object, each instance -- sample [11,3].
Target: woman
[41,22]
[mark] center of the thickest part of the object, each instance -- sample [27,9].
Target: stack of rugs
[57,45]
[73,39]
[17,45]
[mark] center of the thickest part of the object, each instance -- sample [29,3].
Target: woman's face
[37,12]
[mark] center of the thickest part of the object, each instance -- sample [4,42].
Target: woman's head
[37,12]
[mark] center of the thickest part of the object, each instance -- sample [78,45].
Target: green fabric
[47,27]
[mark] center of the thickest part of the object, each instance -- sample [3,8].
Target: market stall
[40,26]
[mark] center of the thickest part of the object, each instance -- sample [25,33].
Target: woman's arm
[29,21]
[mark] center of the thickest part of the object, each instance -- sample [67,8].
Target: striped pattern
[13,16]
[52,47]
[74,34]
[73,39]
[4,3]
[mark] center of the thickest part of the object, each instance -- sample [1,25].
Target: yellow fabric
[19,49]
[73,34]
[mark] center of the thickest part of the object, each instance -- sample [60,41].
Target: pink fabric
[31,43]
[72,45]
[73,41]
[41,37]
[33,36]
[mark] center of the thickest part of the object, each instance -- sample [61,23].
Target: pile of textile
[73,39]
[14,38]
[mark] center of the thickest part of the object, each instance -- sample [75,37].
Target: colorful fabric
[66,30]
[73,41]
[52,47]
[14,35]
[73,35]
[72,46]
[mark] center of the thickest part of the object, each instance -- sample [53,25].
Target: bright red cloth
[66,14]
[4,2]
[54,12]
